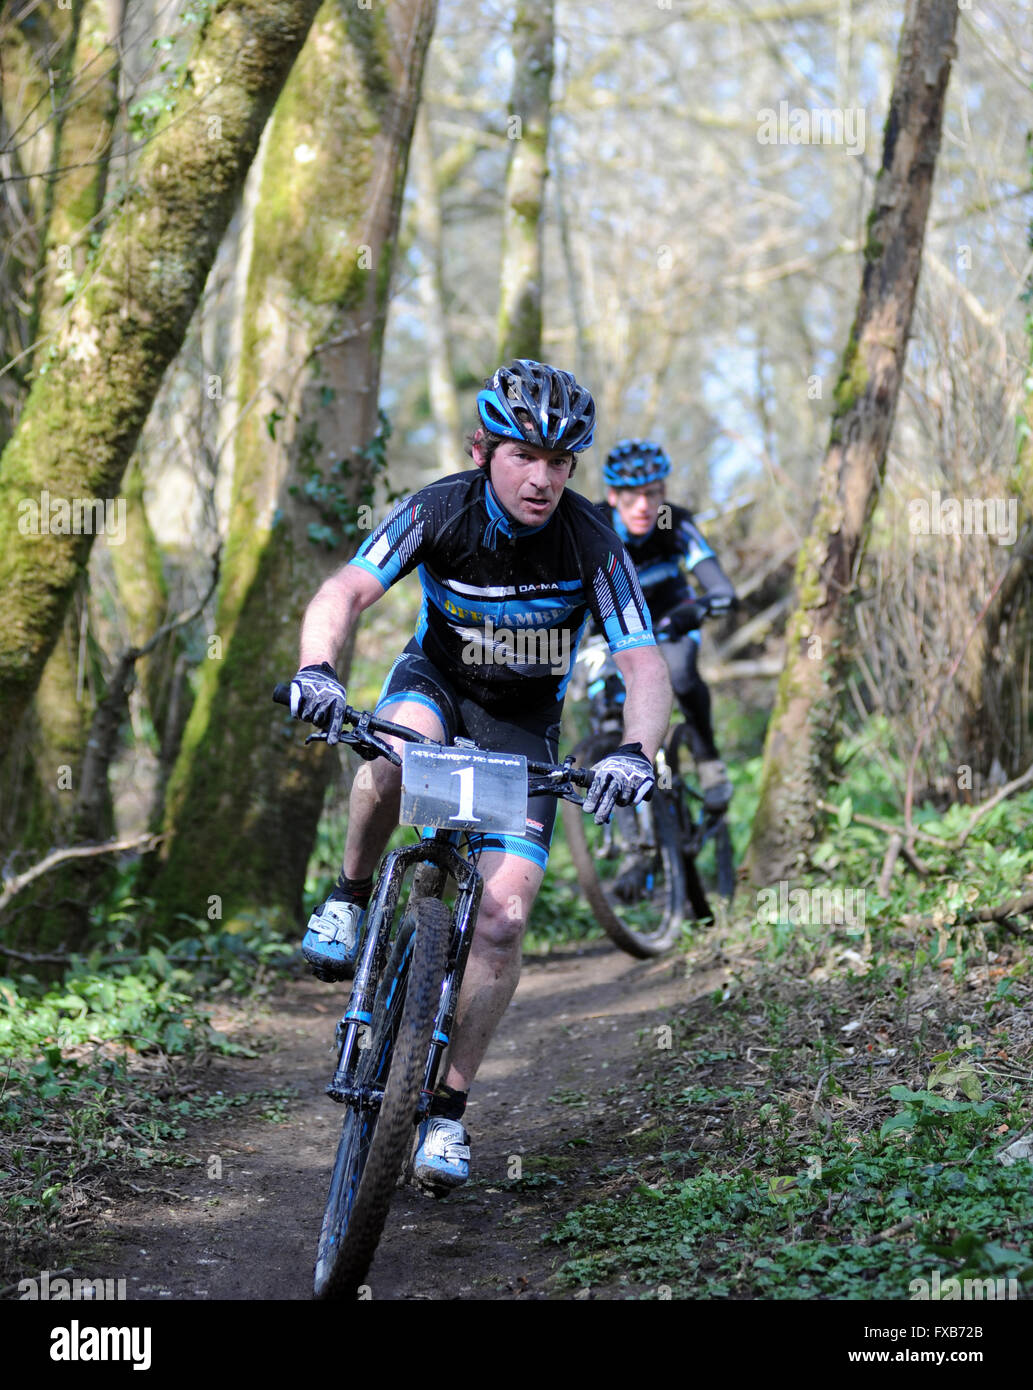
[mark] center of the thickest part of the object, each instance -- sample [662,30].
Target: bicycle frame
[435,858]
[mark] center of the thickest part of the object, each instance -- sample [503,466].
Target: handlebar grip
[282,694]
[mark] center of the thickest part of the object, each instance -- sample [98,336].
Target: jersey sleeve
[394,547]
[703,565]
[692,543]
[617,602]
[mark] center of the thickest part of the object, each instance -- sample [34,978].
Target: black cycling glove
[687,617]
[319,697]
[623,779]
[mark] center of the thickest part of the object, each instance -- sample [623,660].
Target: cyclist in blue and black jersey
[504,553]
[667,546]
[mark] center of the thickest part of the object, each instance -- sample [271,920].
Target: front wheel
[629,870]
[376,1138]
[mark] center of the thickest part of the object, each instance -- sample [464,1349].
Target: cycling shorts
[535,733]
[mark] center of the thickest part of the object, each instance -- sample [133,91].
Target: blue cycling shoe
[332,941]
[443,1157]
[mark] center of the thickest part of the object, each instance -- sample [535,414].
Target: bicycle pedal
[431,1189]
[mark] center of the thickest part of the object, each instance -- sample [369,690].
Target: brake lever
[357,740]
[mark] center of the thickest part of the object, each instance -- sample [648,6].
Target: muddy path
[556,1102]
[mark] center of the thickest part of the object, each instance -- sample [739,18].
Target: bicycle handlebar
[368,726]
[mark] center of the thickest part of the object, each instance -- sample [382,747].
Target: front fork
[353,1029]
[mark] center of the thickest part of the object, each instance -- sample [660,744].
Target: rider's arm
[702,564]
[647,704]
[391,550]
[332,614]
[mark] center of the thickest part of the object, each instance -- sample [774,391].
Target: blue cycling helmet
[531,401]
[635,463]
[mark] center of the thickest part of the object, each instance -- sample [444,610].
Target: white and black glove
[319,697]
[623,779]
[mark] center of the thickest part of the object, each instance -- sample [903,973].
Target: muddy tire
[375,1143]
[648,920]
[683,769]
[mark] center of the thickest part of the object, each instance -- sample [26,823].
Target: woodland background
[247,368]
[256,258]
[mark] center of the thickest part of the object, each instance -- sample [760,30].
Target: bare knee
[500,925]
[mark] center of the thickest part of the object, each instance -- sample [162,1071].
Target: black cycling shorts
[535,733]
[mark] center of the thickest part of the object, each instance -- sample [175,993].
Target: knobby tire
[682,765]
[375,1144]
[637,943]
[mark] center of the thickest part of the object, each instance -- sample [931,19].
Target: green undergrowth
[784,1162]
[830,1123]
[102,1067]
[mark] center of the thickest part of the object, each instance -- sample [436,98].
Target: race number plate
[462,789]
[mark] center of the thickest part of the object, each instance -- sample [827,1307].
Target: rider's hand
[319,697]
[623,779]
[687,617]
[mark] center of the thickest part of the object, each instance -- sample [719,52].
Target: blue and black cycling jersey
[663,558]
[505,605]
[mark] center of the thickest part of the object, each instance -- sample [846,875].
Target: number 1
[465,812]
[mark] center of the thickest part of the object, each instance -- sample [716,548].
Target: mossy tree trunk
[997,721]
[36,48]
[245,796]
[444,399]
[84,413]
[40,778]
[43,779]
[82,148]
[520,305]
[801,736]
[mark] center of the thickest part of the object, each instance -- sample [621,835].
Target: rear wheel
[721,878]
[376,1139]
[629,870]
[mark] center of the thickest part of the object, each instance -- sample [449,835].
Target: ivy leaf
[904,1120]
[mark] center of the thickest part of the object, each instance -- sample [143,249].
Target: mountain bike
[396,1027]
[639,873]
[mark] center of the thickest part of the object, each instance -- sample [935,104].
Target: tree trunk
[801,736]
[42,786]
[246,794]
[520,307]
[82,146]
[444,399]
[35,58]
[85,411]
[994,675]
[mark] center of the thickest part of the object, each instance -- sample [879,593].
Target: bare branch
[14,885]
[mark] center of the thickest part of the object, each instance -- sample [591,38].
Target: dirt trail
[573,1033]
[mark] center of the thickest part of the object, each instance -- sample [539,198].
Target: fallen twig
[14,885]
[905,849]
[892,1231]
[1011,908]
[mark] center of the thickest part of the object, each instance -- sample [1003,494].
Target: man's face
[637,507]
[528,481]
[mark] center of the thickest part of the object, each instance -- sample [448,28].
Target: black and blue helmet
[539,404]
[635,463]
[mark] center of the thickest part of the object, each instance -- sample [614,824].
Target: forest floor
[820,1116]
[556,1102]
